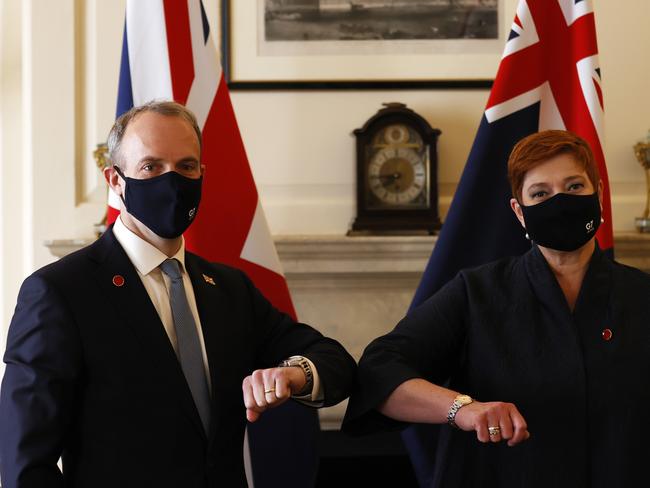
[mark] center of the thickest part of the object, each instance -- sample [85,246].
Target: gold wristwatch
[459,402]
[302,363]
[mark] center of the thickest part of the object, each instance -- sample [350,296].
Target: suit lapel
[131,301]
[215,312]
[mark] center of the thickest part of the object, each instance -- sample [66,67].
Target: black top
[504,332]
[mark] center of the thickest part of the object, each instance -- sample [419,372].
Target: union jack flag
[549,78]
[169,53]
[551,58]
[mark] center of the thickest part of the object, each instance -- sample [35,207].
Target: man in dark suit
[128,358]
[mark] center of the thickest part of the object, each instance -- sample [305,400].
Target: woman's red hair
[539,147]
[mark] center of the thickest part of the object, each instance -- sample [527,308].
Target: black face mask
[564,222]
[167,204]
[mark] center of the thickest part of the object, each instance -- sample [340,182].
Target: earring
[602,220]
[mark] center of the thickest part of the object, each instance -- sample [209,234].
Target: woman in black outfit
[545,356]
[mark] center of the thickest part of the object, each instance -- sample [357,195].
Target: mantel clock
[397,184]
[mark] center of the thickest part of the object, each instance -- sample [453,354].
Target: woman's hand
[419,401]
[484,417]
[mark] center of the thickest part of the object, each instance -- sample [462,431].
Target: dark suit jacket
[91,375]
[504,332]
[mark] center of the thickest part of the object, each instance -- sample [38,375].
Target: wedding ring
[271,390]
[494,430]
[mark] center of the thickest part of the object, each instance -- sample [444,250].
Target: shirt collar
[144,256]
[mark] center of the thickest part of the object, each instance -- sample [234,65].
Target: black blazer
[91,375]
[504,332]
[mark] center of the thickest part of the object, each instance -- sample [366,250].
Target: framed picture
[323,44]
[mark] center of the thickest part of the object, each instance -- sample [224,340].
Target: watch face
[397,169]
[464,399]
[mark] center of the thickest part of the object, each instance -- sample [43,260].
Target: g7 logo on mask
[590,226]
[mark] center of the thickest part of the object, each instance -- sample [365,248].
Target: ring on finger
[269,390]
[494,431]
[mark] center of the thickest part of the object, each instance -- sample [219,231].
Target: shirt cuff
[317,396]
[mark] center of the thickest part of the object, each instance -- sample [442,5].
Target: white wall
[304,162]
[624,41]
[10,160]
[58,83]
[302,151]
[53,112]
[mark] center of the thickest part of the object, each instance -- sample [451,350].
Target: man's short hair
[171,109]
[539,147]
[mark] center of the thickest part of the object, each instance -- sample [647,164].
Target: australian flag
[548,78]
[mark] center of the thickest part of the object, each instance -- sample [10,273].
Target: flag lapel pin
[208,279]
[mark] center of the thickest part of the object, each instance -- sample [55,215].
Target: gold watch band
[303,363]
[459,402]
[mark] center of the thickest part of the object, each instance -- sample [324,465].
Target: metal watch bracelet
[459,402]
[302,363]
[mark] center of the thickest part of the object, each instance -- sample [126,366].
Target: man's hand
[268,388]
[484,417]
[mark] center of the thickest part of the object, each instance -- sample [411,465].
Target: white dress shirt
[146,259]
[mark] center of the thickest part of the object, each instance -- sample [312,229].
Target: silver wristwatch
[301,362]
[459,402]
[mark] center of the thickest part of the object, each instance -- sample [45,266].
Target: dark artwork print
[362,20]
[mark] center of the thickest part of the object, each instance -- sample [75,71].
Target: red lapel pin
[118,280]
[607,334]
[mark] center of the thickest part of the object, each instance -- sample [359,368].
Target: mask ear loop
[119,172]
[526,234]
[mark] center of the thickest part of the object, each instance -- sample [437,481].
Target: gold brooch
[208,279]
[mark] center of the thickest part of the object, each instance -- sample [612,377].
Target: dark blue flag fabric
[548,78]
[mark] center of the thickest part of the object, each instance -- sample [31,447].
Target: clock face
[396,175]
[397,169]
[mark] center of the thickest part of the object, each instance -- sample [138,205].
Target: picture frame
[250,62]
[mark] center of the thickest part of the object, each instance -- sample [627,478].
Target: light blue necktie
[188,344]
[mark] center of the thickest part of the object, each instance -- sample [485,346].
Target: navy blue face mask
[166,204]
[564,222]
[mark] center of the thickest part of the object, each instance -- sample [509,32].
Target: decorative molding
[63,247]
[353,255]
[381,256]
[83,46]
[633,249]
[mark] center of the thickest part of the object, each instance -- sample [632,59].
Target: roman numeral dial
[396,175]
